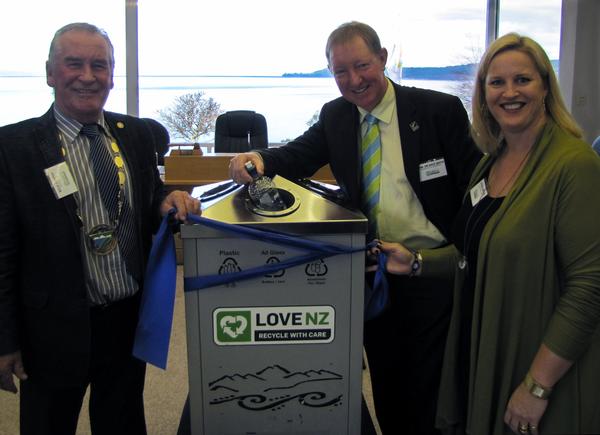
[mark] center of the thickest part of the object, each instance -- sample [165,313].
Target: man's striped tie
[104,169]
[107,177]
[371,170]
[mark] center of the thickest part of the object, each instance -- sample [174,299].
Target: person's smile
[515,93]
[358,72]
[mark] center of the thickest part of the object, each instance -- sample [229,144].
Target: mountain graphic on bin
[275,387]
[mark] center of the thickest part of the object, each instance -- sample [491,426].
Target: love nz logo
[273,325]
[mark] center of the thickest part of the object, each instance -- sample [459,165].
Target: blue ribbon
[156,311]
[158,299]
[316,250]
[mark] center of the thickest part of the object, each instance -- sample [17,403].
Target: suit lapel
[46,134]
[348,132]
[124,132]
[410,137]
[121,131]
[127,136]
[340,130]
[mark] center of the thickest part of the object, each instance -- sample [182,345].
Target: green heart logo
[233,326]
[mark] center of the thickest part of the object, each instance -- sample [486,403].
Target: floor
[165,391]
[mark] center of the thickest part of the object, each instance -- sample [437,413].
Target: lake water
[286,103]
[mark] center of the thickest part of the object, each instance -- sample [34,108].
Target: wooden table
[191,170]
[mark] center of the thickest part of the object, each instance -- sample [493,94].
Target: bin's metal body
[282,353]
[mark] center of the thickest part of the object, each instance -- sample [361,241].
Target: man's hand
[10,365]
[237,170]
[183,202]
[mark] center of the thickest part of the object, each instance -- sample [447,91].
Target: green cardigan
[538,280]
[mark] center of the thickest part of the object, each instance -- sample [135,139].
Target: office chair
[161,139]
[240,131]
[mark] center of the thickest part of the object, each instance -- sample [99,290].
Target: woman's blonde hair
[486,131]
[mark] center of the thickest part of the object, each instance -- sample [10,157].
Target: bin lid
[308,212]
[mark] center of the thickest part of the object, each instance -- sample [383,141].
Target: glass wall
[237,53]
[26,29]
[540,20]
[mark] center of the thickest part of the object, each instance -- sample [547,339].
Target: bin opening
[265,207]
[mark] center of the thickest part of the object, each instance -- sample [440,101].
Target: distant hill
[320,73]
[454,72]
[457,72]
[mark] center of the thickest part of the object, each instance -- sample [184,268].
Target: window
[237,52]
[540,20]
[26,37]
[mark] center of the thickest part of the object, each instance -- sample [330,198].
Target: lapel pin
[120,125]
[414,126]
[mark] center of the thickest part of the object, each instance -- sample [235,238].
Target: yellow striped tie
[371,170]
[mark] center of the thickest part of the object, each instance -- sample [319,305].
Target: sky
[271,37]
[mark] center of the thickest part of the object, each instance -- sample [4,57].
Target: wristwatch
[535,389]
[416,265]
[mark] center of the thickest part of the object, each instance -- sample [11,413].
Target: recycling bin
[280,353]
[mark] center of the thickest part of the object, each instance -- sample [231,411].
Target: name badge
[431,169]
[60,179]
[478,192]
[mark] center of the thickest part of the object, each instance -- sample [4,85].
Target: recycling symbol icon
[316,268]
[229,265]
[233,326]
[277,274]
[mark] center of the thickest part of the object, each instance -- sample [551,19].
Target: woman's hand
[524,411]
[399,258]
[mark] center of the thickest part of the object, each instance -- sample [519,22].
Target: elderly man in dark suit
[81,198]
[424,159]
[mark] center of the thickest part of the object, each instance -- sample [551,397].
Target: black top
[466,231]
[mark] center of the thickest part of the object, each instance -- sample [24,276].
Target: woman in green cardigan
[523,350]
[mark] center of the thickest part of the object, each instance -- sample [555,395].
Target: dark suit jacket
[44,308]
[443,132]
